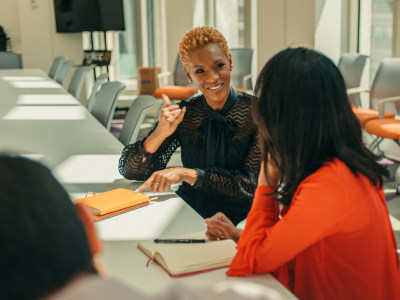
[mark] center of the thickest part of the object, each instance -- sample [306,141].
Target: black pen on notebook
[178,241]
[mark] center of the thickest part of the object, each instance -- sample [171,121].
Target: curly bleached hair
[199,37]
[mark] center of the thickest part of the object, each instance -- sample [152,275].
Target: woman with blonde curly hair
[219,149]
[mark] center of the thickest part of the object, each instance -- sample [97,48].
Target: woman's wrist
[153,142]
[189,175]
[238,233]
[158,133]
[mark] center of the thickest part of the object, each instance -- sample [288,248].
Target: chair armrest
[381,105]
[245,79]
[161,77]
[356,90]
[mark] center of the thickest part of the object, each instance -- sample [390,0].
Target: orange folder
[114,202]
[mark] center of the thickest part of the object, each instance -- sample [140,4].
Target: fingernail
[184,108]
[136,191]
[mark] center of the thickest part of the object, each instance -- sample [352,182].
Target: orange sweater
[334,241]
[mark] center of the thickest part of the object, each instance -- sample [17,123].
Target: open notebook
[189,259]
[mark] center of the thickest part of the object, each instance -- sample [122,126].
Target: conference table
[40,120]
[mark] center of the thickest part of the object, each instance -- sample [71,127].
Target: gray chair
[106,101]
[56,65]
[351,65]
[10,60]
[241,73]
[134,118]
[178,76]
[384,96]
[97,83]
[386,85]
[77,80]
[62,73]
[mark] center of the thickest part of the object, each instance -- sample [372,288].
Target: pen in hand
[178,241]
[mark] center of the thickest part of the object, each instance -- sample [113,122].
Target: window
[381,33]
[150,33]
[127,51]
[229,19]
[227,16]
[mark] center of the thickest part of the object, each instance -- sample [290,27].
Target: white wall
[179,21]
[282,24]
[9,20]
[39,40]
[328,28]
[36,41]
[33,33]
[227,14]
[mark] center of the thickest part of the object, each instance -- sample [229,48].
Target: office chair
[351,65]
[134,118]
[10,60]
[180,89]
[385,85]
[97,83]
[62,73]
[241,73]
[106,101]
[77,80]
[56,65]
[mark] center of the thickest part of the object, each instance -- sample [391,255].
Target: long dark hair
[304,119]
[43,243]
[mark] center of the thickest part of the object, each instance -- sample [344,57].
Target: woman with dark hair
[332,239]
[215,131]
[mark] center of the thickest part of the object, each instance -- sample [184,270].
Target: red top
[334,241]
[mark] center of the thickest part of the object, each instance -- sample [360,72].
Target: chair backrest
[62,73]
[97,83]
[55,65]
[134,118]
[10,60]
[180,75]
[351,65]
[106,101]
[386,84]
[77,80]
[241,58]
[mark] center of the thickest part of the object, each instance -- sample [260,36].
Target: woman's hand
[169,119]
[161,181]
[220,227]
[270,177]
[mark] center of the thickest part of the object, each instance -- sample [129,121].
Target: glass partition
[229,19]
[127,50]
[381,33]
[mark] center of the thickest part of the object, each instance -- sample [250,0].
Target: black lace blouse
[229,190]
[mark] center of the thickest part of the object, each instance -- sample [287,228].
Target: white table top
[40,120]
[51,126]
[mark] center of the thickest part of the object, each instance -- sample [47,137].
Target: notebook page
[200,257]
[184,258]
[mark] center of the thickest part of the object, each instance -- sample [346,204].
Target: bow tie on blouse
[216,128]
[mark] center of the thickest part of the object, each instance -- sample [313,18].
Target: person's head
[43,241]
[304,119]
[205,56]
